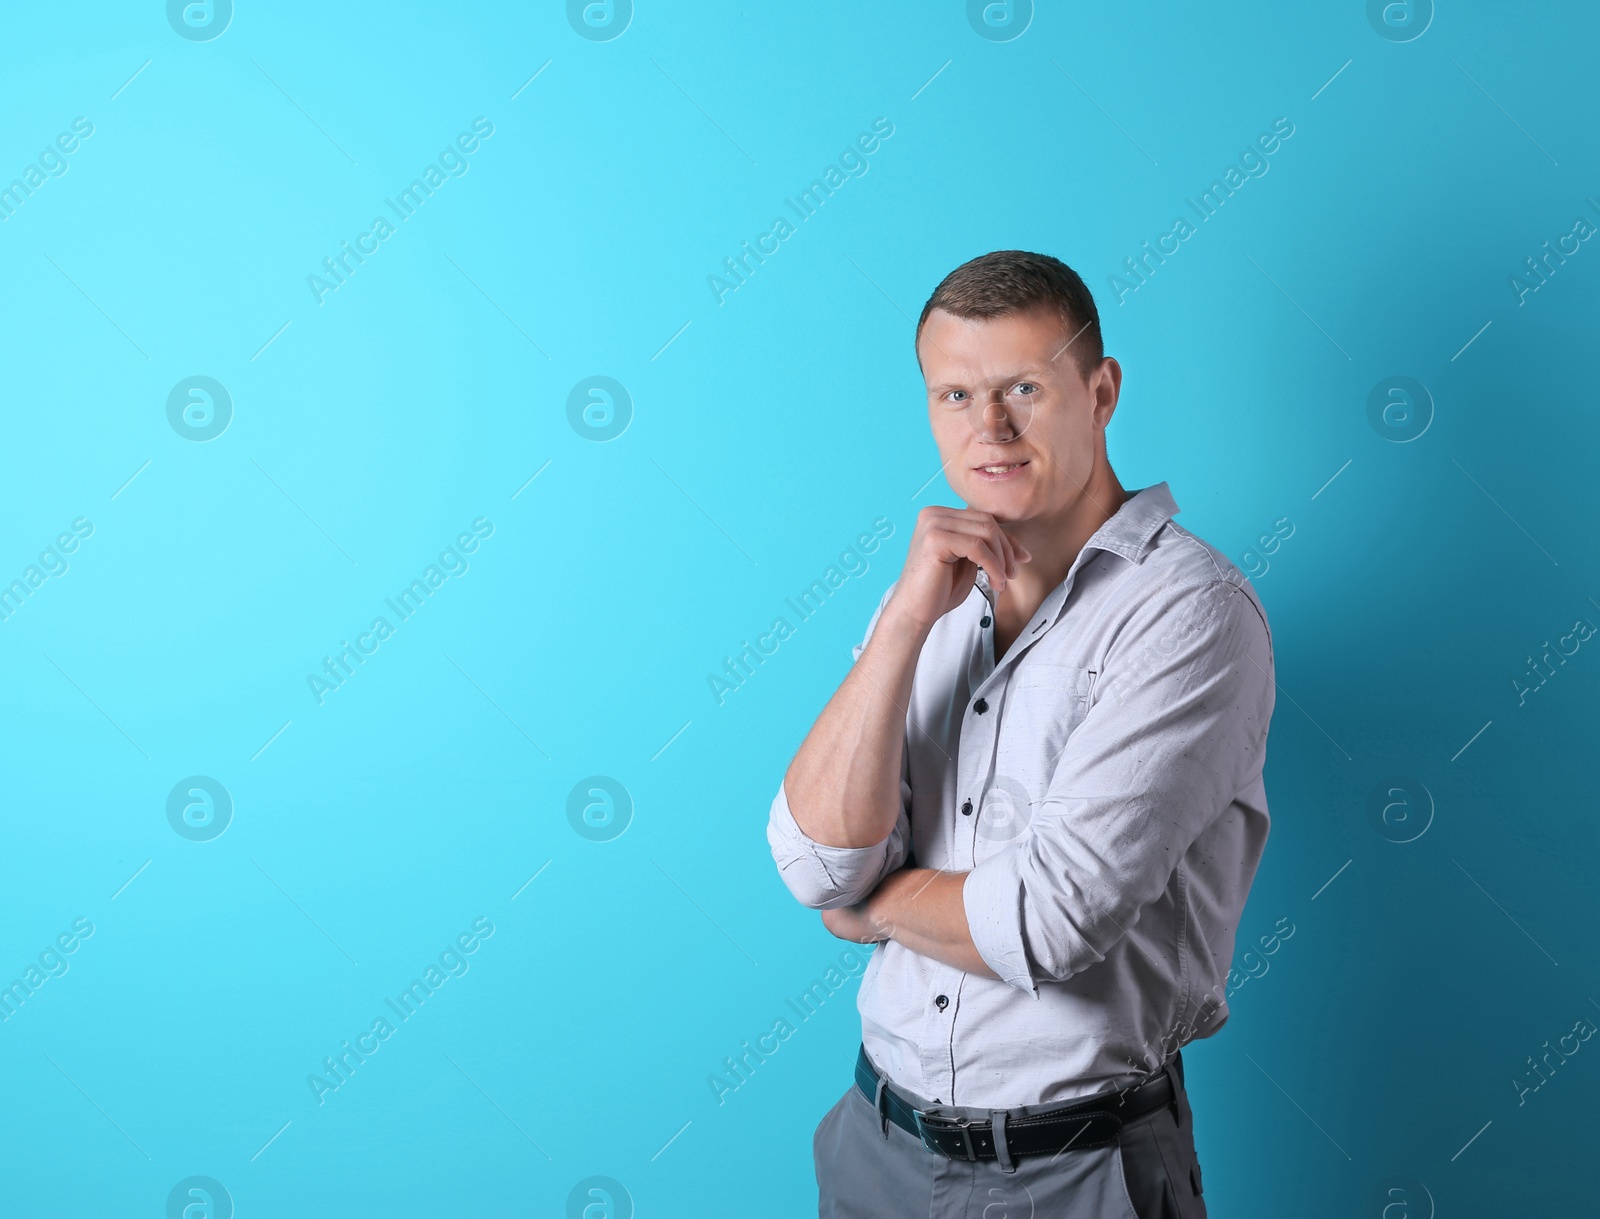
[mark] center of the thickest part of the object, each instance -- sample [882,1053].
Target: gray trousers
[1149,1172]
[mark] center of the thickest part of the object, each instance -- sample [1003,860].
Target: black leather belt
[1092,1122]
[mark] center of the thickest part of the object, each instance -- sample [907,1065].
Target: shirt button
[966,809]
[980,706]
[941,1003]
[984,621]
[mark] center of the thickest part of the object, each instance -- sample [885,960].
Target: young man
[1060,711]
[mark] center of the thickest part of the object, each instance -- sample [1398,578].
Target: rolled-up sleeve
[1177,728]
[824,877]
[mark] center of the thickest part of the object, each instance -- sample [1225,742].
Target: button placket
[980,753]
[963,828]
[944,986]
[957,980]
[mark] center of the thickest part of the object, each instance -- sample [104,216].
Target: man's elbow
[813,888]
[822,877]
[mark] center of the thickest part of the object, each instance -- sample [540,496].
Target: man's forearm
[921,909]
[843,786]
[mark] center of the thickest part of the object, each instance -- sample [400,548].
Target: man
[1039,789]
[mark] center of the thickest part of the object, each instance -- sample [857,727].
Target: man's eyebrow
[1027,372]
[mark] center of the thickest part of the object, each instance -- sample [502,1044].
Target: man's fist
[948,546]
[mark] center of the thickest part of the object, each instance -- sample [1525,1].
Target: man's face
[1019,427]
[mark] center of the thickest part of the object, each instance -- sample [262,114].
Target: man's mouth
[1002,470]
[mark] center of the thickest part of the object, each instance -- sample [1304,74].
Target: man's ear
[1105,384]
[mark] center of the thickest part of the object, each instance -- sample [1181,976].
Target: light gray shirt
[1102,787]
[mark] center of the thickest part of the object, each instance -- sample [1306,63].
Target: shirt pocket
[1053,674]
[1048,702]
[1044,706]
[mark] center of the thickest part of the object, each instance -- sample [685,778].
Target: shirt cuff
[822,877]
[992,896]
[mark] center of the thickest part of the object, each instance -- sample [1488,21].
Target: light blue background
[767,432]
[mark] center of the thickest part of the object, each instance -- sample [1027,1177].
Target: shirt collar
[1129,532]
[1133,527]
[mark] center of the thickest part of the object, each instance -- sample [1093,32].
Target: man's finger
[982,551]
[1008,549]
[969,522]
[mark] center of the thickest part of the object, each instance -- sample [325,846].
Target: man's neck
[1056,541]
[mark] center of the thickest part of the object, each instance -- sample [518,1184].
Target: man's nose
[993,420]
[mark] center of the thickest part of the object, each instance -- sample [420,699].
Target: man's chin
[1007,509]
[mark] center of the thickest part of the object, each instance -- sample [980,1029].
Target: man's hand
[919,908]
[856,923]
[947,547]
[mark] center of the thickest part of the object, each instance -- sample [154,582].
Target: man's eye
[1025,387]
[957,395]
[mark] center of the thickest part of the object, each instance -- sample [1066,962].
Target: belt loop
[879,1104]
[1002,1149]
[1175,1078]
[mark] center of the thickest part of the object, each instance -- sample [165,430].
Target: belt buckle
[929,1126]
